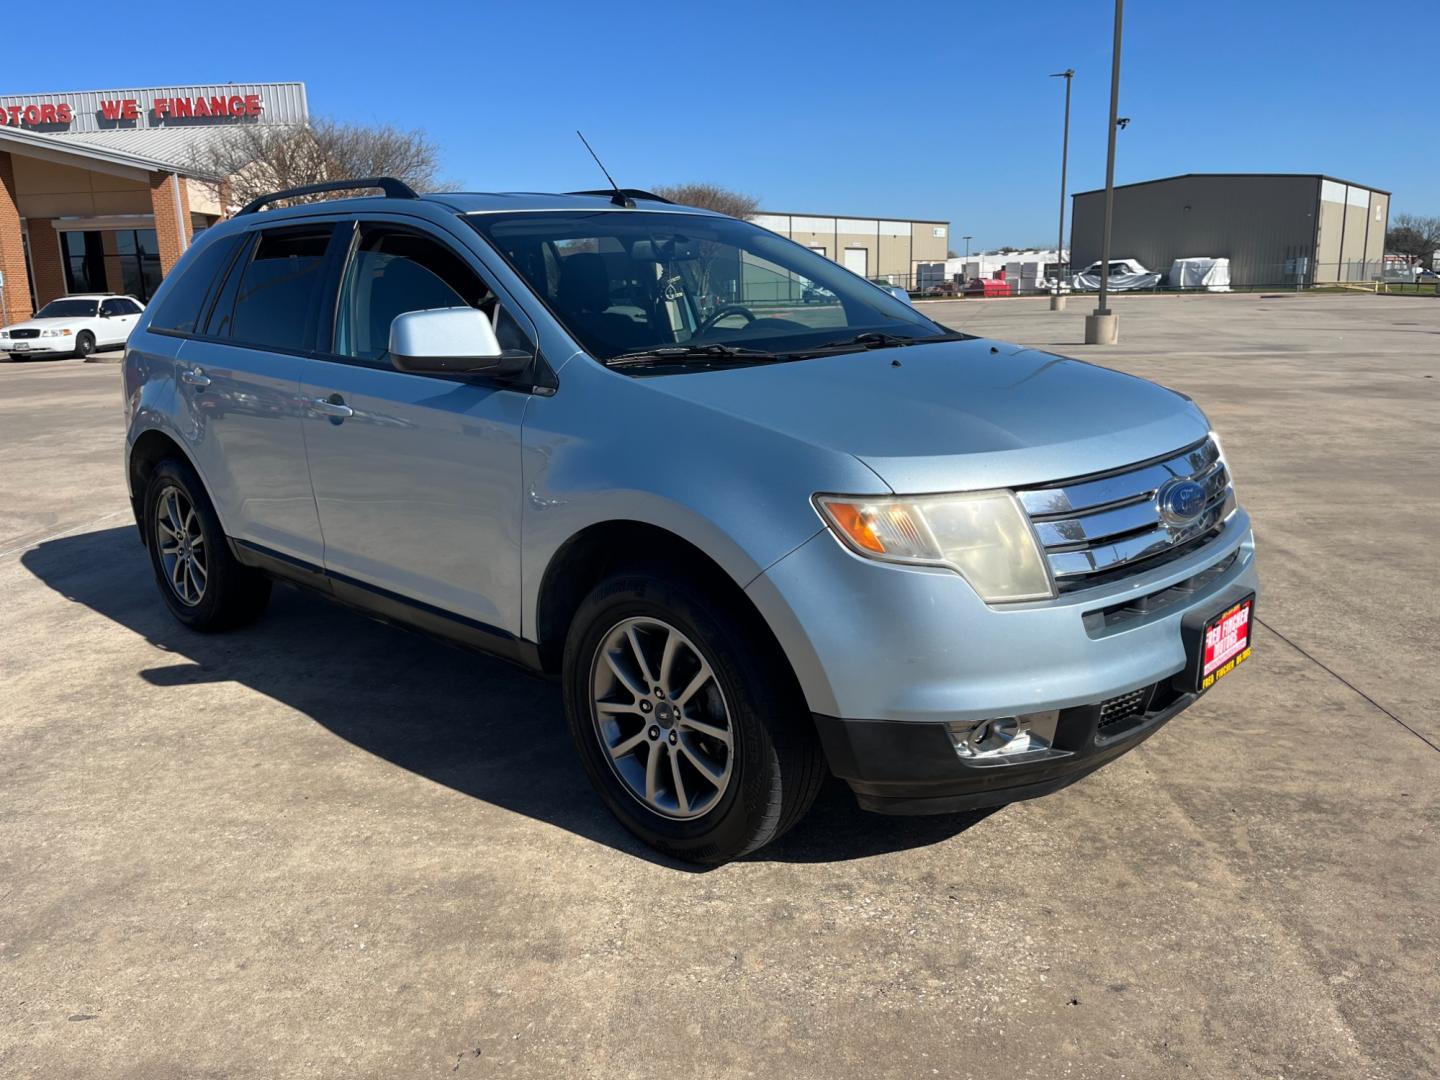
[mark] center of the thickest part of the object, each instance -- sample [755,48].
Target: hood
[45,324]
[956,415]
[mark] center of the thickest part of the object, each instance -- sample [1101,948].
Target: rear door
[241,378]
[416,477]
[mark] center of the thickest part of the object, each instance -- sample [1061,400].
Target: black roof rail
[629,192]
[393,189]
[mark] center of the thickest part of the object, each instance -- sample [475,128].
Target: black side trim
[391,607]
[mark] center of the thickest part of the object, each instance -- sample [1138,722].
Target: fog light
[1006,740]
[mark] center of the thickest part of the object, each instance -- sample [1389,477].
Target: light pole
[1103,328]
[1057,298]
[967,240]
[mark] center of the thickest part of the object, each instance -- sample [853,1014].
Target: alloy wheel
[181,544]
[661,718]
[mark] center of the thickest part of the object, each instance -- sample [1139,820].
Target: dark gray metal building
[1275,228]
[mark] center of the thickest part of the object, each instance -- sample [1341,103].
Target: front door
[416,477]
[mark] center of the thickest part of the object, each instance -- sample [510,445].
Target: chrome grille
[1102,527]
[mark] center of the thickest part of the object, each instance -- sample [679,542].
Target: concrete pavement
[322,847]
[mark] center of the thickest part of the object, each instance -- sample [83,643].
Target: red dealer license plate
[1225,643]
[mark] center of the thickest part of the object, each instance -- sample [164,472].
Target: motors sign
[183,106]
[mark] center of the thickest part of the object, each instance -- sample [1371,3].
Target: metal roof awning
[90,152]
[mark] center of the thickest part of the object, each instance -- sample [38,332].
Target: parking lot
[324,847]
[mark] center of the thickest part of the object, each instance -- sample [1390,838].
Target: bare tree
[247,162]
[1414,236]
[711,197]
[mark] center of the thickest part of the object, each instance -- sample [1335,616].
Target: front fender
[610,447]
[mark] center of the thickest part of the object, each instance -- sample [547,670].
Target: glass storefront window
[112,260]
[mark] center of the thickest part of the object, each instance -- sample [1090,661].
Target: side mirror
[449,341]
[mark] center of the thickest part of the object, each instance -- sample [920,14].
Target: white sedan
[74,326]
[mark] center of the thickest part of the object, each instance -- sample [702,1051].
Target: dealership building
[1275,228]
[101,190]
[871,247]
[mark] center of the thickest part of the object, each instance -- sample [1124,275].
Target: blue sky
[923,110]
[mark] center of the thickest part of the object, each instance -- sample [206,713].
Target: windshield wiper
[714,353]
[876,339]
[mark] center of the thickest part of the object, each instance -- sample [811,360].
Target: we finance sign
[149,111]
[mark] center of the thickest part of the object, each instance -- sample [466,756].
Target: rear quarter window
[182,310]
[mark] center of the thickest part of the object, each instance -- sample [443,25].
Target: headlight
[984,536]
[55,333]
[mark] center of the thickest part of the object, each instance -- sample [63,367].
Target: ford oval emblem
[1180,501]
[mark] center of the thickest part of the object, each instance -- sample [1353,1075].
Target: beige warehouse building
[1275,228]
[886,248]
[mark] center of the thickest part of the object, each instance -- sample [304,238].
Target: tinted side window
[184,306]
[111,307]
[127,307]
[395,270]
[275,301]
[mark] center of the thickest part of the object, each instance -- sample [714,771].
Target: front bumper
[884,642]
[37,346]
[899,768]
[893,659]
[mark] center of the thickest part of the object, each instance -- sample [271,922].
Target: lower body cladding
[927,700]
[897,768]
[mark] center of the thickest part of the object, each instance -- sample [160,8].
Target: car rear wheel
[84,343]
[202,583]
[691,730]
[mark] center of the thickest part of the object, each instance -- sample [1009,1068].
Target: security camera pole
[1057,298]
[1102,328]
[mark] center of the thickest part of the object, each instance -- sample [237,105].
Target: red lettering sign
[35,114]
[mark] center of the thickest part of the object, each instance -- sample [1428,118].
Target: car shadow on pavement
[473,724]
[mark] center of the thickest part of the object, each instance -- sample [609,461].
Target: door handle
[195,377]
[334,407]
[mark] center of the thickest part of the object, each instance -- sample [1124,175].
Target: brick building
[99,189]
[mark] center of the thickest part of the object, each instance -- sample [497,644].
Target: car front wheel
[687,723]
[84,344]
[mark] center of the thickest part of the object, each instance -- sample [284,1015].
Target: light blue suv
[762,519]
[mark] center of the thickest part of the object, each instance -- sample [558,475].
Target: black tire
[84,344]
[233,594]
[777,766]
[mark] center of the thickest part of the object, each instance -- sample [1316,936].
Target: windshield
[626,282]
[68,309]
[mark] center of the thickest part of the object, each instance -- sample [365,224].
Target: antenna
[619,198]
